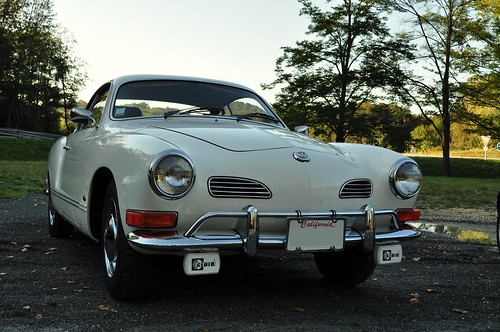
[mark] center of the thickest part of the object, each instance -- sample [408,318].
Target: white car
[204,168]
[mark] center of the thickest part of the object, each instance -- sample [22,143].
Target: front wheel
[346,268]
[126,271]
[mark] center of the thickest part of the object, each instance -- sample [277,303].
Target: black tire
[498,221]
[58,227]
[346,268]
[126,271]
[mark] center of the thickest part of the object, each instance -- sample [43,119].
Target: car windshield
[170,98]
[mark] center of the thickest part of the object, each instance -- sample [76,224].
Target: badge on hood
[301,156]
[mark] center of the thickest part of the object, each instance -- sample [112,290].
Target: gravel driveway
[51,284]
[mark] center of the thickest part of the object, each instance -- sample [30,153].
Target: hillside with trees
[40,77]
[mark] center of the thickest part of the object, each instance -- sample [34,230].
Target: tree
[446,31]
[348,60]
[482,90]
[389,126]
[39,74]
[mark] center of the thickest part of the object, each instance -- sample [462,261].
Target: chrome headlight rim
[393,179]
[157,160]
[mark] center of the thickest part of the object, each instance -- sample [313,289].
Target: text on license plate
[315,234]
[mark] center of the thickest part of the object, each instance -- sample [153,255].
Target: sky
[232,40]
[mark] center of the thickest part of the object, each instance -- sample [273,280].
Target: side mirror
[82,116]
[302,130]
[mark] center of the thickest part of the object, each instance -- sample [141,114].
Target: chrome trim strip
[236,242]
[68,200]
[251,243]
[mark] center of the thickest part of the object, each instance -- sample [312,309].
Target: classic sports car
[204,168]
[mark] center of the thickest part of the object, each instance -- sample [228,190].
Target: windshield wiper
[257,115]
[212,110]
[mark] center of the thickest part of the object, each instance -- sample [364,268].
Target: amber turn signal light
[405,215]
[151,219]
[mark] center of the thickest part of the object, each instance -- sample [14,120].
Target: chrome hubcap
[110,234]
[52,216]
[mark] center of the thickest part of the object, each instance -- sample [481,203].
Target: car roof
[154,77]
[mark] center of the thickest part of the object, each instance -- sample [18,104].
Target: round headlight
[405,178]
[171,174]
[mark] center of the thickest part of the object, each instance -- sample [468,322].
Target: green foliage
[326,79]
[388,126]
[453,44]
[39,74]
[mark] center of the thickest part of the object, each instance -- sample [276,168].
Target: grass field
[23,166]
[476,182]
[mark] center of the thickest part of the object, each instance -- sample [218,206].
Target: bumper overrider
[252,241]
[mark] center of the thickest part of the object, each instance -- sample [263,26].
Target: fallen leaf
[71,282]
[102,307]
[415,295]
[429,290]
[416,259]
[38,316]
[460,311]
[27,307]
[298,309]
[414,301]
[65,268]
[24,250]
[403,270]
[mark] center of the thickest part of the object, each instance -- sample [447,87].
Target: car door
[75,165]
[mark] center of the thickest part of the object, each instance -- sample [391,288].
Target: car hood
[238,136]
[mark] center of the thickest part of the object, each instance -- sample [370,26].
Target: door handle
[67,148]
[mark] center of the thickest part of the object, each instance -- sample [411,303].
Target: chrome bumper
[252,242]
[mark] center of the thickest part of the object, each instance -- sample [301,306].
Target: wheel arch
[99,183]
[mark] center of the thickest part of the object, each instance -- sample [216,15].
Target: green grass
[34,149]
[469,193]
[23,166]
[475,182]
[460,167]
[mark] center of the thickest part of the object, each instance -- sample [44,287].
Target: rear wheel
[347,268]
[126,271]
[58,227]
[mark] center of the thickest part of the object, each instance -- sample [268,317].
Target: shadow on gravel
[53,284]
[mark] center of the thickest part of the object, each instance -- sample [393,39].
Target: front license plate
[315,234]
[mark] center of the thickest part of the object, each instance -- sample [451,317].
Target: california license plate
[315,234]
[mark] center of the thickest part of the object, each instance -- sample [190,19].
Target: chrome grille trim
[356,188]
[235,187]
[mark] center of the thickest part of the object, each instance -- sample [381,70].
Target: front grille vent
[234,187]
[358,188]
